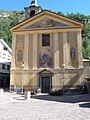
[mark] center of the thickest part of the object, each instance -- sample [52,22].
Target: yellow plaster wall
[65,37]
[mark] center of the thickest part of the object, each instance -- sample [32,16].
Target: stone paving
[44,107]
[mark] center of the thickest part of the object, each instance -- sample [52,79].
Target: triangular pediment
[44,23]
[45,71]
[46,19]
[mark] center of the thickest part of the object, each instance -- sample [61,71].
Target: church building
[46,51]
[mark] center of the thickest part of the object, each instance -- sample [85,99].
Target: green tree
[18,16]
[85,32]
[7,23]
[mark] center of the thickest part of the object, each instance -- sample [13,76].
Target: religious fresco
[44,23]
[19,57]
[45,59]
[73,54]
[73,57]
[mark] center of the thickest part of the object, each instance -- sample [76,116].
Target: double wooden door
[45,84]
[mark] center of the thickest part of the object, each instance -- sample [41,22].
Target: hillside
[4,13]
[7,20]
[10,18]
[7,13]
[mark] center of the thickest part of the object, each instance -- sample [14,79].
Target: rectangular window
[3,66]
[45,39]
[8,67]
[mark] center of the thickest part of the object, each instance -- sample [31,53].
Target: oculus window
[45,39]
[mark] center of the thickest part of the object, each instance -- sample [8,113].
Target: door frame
[45,75]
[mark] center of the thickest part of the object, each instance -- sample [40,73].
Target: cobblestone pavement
[15,107]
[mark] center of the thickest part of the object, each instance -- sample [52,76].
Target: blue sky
[65,6]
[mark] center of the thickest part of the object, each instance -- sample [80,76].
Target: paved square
[15,107]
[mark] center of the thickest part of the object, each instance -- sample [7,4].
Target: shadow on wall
[29,85]
[72,82]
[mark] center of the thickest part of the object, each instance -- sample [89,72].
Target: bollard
[1,92]
[27,94]
[38,91]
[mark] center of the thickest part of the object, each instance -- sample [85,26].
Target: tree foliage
[7,22]
[85,32]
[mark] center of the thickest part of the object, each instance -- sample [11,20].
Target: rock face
[7,13]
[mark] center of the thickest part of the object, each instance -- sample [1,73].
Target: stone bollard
[27,94]
[39,90]
[1,92]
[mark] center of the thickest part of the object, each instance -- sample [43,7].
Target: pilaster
[79,47]
[56,51]
[13,50]
[26,46]
[35,39]
[65,49]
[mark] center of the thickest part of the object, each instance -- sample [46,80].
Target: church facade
[47,51]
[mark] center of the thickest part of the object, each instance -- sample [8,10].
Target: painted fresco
[44,23]
[73,54]
[19,55]
[45,59]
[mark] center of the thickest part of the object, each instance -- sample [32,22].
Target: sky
[65,6]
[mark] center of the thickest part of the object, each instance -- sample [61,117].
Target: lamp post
[63,77]
[22,76]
